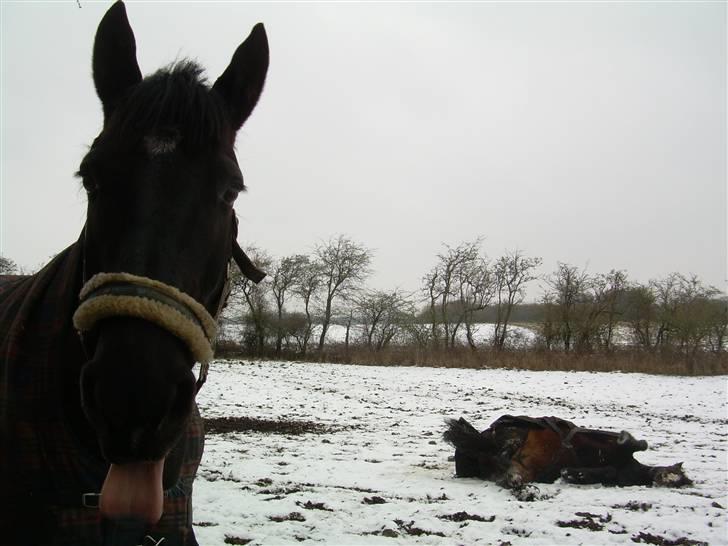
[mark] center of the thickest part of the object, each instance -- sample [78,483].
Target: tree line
[293,310]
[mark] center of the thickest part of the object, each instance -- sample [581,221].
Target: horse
[516,450]
[100,432]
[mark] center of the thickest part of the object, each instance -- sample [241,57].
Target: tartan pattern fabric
[44,467]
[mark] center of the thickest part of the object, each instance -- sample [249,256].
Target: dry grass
[625,360]
[540,360]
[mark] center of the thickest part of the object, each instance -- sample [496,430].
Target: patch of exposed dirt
[593,522]
[406,529]
[308,505]
[464,516]
[223,425]
[293,516]
[229,539]
[634,506]
[648,538]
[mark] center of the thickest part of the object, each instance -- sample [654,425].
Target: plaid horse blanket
[45,465]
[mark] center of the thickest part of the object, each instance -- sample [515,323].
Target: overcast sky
[587,133]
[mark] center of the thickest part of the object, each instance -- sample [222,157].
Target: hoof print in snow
[459,517]
[373,500]
[293,516]
[648,538]
[515,531]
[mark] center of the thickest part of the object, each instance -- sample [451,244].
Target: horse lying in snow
[514,451]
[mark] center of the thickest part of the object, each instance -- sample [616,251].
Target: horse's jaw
[133,490]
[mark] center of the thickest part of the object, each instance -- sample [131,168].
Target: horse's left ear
[115,65]
[242,82]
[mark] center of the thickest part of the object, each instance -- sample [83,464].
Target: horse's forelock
[172,105]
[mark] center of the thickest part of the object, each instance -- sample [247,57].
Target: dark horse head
[161,179]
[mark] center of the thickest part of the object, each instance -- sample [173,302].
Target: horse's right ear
[115,67]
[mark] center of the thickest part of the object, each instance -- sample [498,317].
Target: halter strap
[123,294]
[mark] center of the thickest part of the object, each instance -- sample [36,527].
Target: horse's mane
[176,102]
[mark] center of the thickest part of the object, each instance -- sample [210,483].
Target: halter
[121,294]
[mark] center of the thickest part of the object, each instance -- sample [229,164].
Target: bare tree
[476,288]
[665,292]
[444,288]
[286,274]
[607,293]
[255,297]
[565,293]
[383,316]
[306,288]
[694,317]
[718,334]
[344,264]
[677,312]
[7,266]
[431,288]
[640,315]
[512,271]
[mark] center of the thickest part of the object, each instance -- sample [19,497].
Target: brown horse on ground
[514,451]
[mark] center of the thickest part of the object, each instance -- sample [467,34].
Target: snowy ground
[519,336]
[384,476]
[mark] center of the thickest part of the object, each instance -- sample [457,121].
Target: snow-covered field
[519,336]
[382,476]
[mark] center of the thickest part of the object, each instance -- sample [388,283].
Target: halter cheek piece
[125,295]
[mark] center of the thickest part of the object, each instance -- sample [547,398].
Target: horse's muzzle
[137,390]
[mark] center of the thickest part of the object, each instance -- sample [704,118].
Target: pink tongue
[133,490]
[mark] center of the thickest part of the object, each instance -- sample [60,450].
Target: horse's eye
[231,189]
[230,195]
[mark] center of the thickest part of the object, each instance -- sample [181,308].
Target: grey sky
[589,133]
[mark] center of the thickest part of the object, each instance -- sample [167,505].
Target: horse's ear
[242,82]
[115,67]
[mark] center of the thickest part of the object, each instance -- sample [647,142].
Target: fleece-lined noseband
[125,295]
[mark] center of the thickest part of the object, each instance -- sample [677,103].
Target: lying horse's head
[161,179]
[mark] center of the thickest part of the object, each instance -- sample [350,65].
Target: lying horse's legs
[606,475]
[628,441]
